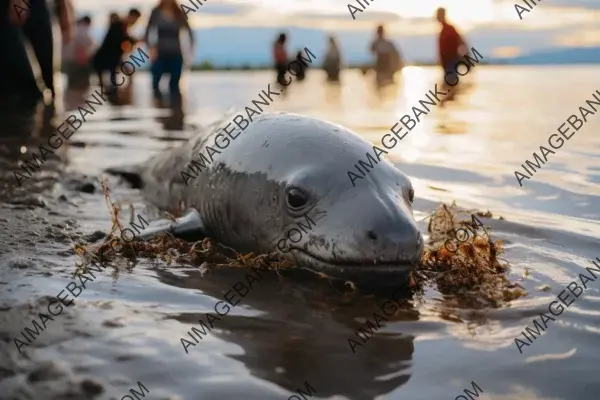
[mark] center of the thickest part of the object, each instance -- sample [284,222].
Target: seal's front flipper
[188,227]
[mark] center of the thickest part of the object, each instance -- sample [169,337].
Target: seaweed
[473,271]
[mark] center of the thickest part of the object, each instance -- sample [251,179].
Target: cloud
[506,51]
[590,4]
[221,9]
[579,38]
[574,3]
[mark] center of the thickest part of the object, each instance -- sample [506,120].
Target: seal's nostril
[372,235]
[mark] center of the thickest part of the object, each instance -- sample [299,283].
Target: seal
[280,171]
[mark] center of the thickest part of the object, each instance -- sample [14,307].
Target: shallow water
[126,326]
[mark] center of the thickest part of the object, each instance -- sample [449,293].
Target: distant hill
[572,55]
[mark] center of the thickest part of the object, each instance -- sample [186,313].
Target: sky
[230,31]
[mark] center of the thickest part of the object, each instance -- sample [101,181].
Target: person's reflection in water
[303,335]
[21,132]
[175,120]
[74,98]
[448,124]
[333,95]
[388,93]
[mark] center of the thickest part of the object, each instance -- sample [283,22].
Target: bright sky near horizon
[496,23]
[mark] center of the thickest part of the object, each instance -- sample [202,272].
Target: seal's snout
[392,239]
[379,242]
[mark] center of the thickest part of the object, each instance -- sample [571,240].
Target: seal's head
[357,227]
[317,193]
[367,233]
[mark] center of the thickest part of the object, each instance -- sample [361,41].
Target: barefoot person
[167,56]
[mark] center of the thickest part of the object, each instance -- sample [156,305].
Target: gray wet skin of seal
[281,168]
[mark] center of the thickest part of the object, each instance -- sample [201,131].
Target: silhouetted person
[451,46]
[387,58]
[167,57]
[112,18]
[333,61]
[117,39]
[32,20]
[280,58]
[299,67]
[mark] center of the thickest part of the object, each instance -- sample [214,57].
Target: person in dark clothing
[167,56]
[388,60]
[32,20]
[300,68]
[333,61]
[280,57]
[110,52]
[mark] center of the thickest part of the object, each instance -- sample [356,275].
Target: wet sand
[126,326]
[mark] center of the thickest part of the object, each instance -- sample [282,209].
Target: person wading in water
[166,52]
[387,58]
[333,61]
[280,57]
[117,39]
[451,47]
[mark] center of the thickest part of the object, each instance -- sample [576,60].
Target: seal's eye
[296,198]
[411,195]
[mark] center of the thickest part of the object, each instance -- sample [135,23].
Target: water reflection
[448,124]
[293,331]
[74,98]
[303,331]
[22,131]
[27,127]
[384,96]
[332,94]
[174,120]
